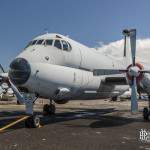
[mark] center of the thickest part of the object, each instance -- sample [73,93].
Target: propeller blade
[19,96]
[133,44]
[132,34]
[125,47]
[2,69]
[134,102]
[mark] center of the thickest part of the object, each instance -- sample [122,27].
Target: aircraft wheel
[49,109]
[32,122]
[145,113]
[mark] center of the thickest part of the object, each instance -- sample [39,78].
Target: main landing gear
[49,109]
[32,121]
[146,111]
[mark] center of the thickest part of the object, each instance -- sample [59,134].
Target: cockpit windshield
[31,43]
[48,42]
[34,42]
[66,46]
[60,44]
[39,42]
[57,44]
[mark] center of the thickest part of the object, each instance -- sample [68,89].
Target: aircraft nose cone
[20,71]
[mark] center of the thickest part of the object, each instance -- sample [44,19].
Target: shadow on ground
[99,118]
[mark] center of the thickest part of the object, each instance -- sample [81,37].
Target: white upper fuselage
[80,56]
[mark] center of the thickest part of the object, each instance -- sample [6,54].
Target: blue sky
[87,21]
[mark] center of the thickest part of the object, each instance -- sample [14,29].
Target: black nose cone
[20,71]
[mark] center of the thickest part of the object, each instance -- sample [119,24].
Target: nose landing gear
[33,121]
[146,111]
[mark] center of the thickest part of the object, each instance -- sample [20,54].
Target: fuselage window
[57,44]
[48,42]
[39,42]
[65,45]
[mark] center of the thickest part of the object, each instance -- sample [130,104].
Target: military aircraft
[55,67]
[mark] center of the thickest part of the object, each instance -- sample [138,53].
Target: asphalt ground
[78,125]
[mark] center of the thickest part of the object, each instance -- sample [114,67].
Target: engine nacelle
[62,96]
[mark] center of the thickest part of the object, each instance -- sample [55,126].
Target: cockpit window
[39,42]
[34,42]
[65,45]
[70,47]
[57,44]
[48,42]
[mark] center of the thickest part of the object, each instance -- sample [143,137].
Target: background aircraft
[55,67]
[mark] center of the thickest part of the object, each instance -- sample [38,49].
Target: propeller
[2,69]
[125,42]
[19,96]
[134,71]
[4,79]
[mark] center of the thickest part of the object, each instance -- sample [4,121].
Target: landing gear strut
[146,111]
[33,121]
[49,109]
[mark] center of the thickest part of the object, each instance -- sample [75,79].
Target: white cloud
[116,49]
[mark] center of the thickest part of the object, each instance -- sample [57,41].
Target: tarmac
[77,125]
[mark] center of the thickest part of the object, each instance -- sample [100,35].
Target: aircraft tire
[49,109]
[114,98]
[32,122]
